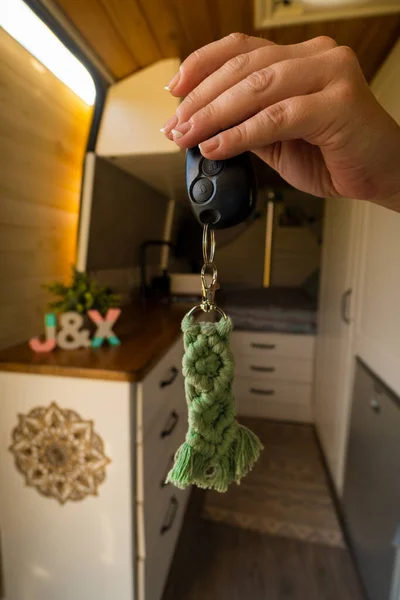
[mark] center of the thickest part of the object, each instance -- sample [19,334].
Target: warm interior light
[24,26]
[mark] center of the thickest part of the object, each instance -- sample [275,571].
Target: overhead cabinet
[129,135]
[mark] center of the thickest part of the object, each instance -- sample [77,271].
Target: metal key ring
[211,285]
[216,309]
[208,244]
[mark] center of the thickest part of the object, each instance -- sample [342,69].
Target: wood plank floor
[287,492]
[215,561]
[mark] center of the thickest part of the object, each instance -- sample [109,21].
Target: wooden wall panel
[131,24]
[43,133]
[129,34]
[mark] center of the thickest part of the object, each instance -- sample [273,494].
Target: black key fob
[221,192]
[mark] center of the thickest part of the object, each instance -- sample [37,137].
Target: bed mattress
[283,310]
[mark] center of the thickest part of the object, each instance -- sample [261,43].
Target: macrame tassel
[182,471]
[247,451]
[217,450]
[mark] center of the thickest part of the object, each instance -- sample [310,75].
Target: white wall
[296,251]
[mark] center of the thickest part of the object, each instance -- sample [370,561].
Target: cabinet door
[378,323]
[371,497]
[80,548]
[333,362]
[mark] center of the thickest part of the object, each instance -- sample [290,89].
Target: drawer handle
[174,375]
[163,482]
[170,515]
[262,392]
[263,369]
[344,306]
[171,424]
[263,346]
[375,405]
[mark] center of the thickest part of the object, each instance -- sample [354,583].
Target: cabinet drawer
[265,345]
[153,569]
[152,494]
[166,434]
[274,367]
[159,518]
[273,399]
[155,472]
[160,384]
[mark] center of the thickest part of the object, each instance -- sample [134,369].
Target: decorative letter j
[49,344]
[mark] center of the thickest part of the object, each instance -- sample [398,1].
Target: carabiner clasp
[209,287]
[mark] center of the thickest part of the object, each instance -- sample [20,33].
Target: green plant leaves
[81,295]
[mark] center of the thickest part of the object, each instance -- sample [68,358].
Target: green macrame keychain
[217,450]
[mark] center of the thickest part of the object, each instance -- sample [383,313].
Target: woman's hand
[306,110]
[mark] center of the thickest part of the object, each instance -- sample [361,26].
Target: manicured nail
[170,124]
[181,131]
[173,82]
[209,145]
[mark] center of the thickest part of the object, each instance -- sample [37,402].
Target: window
[24,26]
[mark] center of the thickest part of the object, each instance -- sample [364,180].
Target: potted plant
[81,295]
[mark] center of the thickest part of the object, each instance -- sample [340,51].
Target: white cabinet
[81,549]
[160,507]
[135,109]
[118,540]
[274,374]
[333,356]
[378,323]
[359,298]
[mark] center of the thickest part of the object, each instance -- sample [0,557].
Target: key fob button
[212,167]
[202,190]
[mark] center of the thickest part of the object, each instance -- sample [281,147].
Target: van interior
[101,258]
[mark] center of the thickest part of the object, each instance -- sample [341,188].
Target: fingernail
[173,82]
[209,145]
[166,128]
[183,129]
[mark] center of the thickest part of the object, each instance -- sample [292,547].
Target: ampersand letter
[71,337]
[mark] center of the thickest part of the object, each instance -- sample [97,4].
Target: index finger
[201,63]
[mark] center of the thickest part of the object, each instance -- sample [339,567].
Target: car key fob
[222,193]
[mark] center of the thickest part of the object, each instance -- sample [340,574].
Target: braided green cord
[217,450]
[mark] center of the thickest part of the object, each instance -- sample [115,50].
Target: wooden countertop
[146,334]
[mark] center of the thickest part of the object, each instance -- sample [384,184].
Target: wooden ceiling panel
[131,34]
[370,37]
[197,23]
[231,19]
[375,41]
[132,25]
[96,27]
[167,30]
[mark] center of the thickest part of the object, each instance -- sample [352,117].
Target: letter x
[104,327]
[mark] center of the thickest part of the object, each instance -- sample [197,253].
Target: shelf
[268,14]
